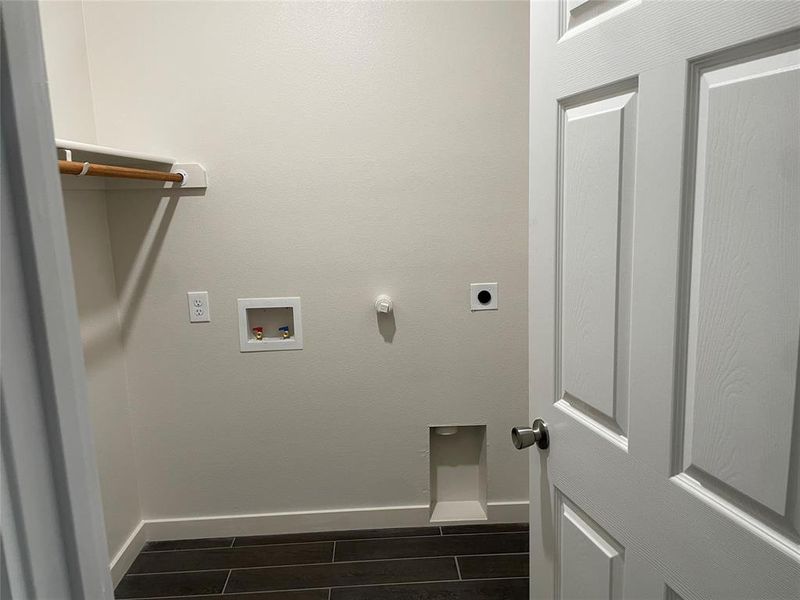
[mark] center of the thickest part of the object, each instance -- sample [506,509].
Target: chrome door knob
[525,437]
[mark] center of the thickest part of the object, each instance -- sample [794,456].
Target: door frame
[53,540]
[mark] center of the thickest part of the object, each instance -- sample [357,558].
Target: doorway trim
[54,542]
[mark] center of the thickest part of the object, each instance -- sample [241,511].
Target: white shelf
[107,154]
[458,510]
[195,174]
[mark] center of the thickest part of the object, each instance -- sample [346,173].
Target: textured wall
[352,149]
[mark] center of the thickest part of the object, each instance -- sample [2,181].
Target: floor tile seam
[414,582]
[368,539]
[340,562]
[235,547]
[190,596]
[486,533]
[224,585]
[427,556]
[335,587]
[362,585]
[492,554]
[390,537]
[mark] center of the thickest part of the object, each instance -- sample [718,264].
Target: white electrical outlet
[199,310]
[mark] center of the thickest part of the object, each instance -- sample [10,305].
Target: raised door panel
[578,15]
[598,140]
[670,594]
[594,565]
[741,424]
[591,561]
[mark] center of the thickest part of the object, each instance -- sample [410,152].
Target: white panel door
[665,299]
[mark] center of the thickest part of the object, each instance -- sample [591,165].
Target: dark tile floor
[467,562]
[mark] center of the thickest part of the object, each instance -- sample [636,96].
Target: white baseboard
[512,511]
[129,551]
[293,522]
[287,522]
[315,520]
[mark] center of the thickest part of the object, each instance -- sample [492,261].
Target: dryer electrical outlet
[199,310]
[483,296]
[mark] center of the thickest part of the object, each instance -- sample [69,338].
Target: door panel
[599,145]
[665,299]
[591,561]
[672,594]
[582,14]
[744,301]
[592,565]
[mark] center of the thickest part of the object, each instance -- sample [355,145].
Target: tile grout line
[322,541]
[252,592]
[434,532]
[224,585]
[357,585]
[341,562]
[186,549]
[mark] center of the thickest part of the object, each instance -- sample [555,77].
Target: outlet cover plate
[199,309]
[477,296]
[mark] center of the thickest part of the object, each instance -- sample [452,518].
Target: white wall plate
[483,296]
[270,314]
[199,307]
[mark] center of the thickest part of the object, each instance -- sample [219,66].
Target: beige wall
[105,368]
[68,69]
[352,149]
[87,222]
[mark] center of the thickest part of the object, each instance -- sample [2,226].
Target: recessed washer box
[270,315]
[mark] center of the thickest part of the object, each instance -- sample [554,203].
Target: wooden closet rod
[69,167]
